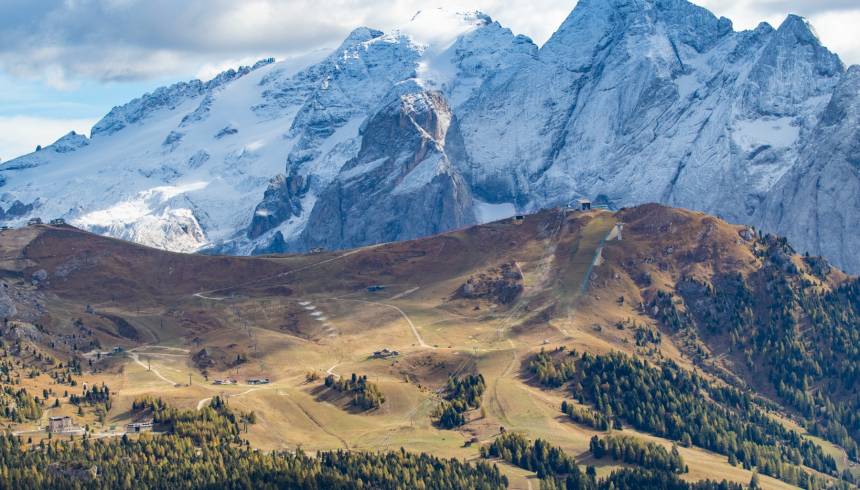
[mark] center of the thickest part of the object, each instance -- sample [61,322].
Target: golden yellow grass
[284,340]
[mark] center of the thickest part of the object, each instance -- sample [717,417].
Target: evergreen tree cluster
[670,402]
[664,308]
[558,471]
[214,423]
[585,416]
[539,457]
[645,336]
[636,451]
[639,479]
[200,449]
[461,395]
[553,370]
[25,359]
[96,395]
[792,330]
[365,395]
[19,406]
[175,462]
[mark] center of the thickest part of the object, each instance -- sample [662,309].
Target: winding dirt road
[415,333]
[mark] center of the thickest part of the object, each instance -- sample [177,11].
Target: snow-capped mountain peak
[452,119]
[440,27]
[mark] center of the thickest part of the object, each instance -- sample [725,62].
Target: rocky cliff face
[453,119]
[655,101]
[281,201]
[404,168]
[817,201]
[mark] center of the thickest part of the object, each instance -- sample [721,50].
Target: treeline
[184,459]
[664,309]
[635,451]
[174,462]
[365,395]
[832,410]
[461,395]
[558,471]
[24,359]
[673,403]
[791,329]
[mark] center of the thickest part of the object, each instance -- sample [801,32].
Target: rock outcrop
[403,169]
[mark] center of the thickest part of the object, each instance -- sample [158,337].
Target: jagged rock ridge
[453,119]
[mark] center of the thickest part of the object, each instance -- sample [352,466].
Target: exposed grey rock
[198,159]
[226,131]
[172,140]
[402,170]
[138,110]
[40,276]
[200,113]
[281,201]
[398,135]
[817,203]
[69,143]
[660,101]
[18,209]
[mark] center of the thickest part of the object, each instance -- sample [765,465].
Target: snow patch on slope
[143,204]
[779,132]
[488,212]
[180,196]
[423,174]
[435,31]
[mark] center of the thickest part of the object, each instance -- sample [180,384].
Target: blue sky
[65,63]
[34,112]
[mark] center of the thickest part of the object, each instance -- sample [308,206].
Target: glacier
[452,120]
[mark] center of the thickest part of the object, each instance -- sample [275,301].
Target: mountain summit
[452,119]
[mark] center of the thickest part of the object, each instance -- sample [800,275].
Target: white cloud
[59,41]
[67,44]
[19,135]
[837,31]
[834,20]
